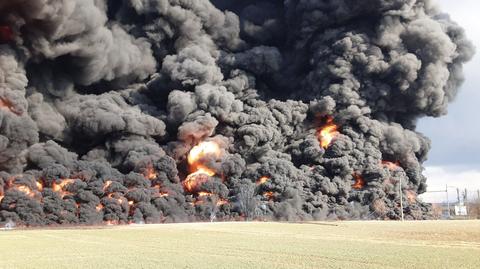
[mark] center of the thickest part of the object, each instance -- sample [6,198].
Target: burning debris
[187,106]
[359,182]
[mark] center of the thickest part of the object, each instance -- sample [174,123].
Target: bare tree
[474,209]
[246,199]
[379,208]
[214,209]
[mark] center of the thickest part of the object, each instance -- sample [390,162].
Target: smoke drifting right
[116,112]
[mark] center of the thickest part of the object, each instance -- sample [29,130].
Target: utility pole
[448,202]
[401,198]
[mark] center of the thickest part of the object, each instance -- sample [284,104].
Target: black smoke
[102,101]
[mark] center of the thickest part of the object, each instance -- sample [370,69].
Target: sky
[455,155]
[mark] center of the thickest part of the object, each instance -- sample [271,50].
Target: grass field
[432,244]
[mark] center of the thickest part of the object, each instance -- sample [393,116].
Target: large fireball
[327,132]
[200,171]
[202,150]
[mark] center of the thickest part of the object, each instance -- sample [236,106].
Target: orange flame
[327,132]
[118,200]
[58,187]
[204,194]
[194,180]
[8,105]
[30,192]
[26,190]
[359,182]
[99,207]
[222,202]
[106,185]
[160,193]
[150,172]
[263,180]
[269,195]
[391,165]
[39,185]
[130,203]
[208,148]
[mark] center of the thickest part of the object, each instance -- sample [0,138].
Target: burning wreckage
[173,110]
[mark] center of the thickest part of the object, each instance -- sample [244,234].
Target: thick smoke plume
[174,110]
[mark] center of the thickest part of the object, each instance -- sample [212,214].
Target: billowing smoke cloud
[174,110]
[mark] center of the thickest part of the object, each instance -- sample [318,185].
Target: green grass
[430,244]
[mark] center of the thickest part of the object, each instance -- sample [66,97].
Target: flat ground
[429,244]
